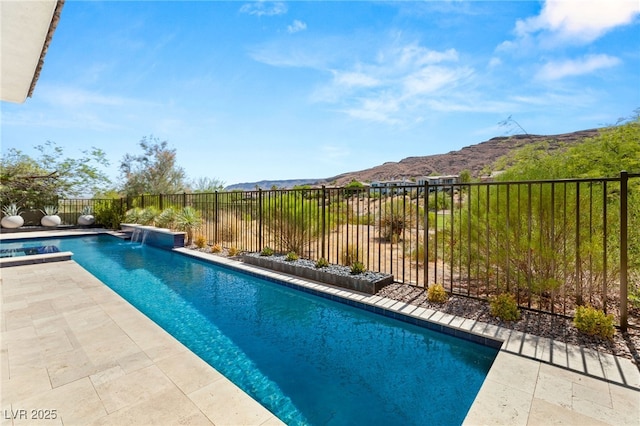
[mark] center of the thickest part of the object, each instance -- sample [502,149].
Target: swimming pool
[308,359]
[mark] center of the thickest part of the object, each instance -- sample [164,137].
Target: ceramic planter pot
[51,220]
[86,219]
[12,222]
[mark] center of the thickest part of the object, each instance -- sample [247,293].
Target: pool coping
[532,379]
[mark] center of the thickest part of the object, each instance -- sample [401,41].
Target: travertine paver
[77,353]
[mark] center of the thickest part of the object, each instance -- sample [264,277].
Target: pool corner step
[6,262]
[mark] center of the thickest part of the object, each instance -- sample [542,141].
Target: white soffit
[24,28]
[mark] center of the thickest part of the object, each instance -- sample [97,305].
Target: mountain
[280,184]
[474,158]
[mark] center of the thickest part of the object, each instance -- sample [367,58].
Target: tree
[464,176]
[537,238]
[206,184]
[32,182]
[154,171]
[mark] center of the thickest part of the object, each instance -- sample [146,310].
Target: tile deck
[69,343]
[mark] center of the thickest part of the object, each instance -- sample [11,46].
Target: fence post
[216,216]
[624,179]
[323,224]
[425,234]
[260,219]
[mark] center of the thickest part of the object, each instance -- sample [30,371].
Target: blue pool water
[308,359]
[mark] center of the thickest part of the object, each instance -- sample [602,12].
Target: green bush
[108,213]
[267,251]
[322,263]
[436,293]
[594,322]
[291,256]
[357,268]
[505,307]
[167,218]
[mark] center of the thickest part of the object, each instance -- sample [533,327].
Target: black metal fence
[553,244]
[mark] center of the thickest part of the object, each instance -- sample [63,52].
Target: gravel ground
[540,324]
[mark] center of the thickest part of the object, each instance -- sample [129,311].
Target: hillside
[474,158]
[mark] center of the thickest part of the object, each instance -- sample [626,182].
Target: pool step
[6,262]
[122,235]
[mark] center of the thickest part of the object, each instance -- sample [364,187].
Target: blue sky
[246,91]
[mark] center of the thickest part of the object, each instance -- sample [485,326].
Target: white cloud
[354,79]
[577,21]
[394,84]
[264,8]
[495,62]
[296,27]
[391,85]
[432,78]
[414,55]
[559,69]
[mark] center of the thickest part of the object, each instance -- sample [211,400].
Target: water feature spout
[135,235]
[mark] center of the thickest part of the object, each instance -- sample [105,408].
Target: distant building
[389,186]
[438,180]
[440,183]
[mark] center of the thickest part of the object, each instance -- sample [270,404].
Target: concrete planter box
[369,283]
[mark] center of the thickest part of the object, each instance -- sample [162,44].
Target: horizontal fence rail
[554,245]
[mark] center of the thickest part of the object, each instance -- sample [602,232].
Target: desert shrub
[322,263]
[188,220]
[148,216]
[109,213]
[292,219]
[133,215]
[415,251]
[166,218]
[291,256]
[200,241]
[594,322]
[505,307]
[350,255]
[367,219]
[395,216]
[436,293]
[227,226]
[439,200]
[233,251]
[357,268]
[216,248]
[267,251]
